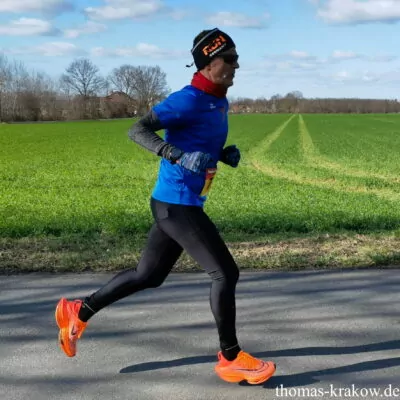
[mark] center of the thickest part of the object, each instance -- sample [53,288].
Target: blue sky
[323,48]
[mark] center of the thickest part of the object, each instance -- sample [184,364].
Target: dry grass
[113,254]
[325,251]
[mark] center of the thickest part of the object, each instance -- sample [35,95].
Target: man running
[195,120]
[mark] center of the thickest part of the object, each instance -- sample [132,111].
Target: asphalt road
[332,335]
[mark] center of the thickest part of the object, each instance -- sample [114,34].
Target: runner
[195,120]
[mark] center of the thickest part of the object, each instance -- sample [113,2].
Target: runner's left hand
[231,156]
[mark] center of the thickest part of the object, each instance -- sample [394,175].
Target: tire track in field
[313,157]
[255,155]
[384,120]
[329,183]
[264,145]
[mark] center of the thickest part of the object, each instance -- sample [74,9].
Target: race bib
[210,174]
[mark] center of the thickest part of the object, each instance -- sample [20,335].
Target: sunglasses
[229,58]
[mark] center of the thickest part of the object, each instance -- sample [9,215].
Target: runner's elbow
[133,131]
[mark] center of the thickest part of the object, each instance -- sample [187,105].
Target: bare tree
[150,86]
[123,79]
[13,76]
[39,98]
[83,78]
[4,78]
[290,103]
[147,85]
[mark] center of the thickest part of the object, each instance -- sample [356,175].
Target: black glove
[231,156]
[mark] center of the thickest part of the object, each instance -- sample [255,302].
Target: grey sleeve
[143,132]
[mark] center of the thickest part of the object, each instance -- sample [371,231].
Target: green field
[311,191]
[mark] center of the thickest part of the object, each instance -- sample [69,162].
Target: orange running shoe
[244,367]
[71,327]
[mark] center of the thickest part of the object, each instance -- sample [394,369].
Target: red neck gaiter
[200,82]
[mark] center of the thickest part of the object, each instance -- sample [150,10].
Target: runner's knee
[152,281]
[230,276]
[142,281]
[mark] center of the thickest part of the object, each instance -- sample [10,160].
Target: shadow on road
[310,377]
[302,379]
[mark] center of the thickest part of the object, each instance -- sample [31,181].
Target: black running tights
[179,228]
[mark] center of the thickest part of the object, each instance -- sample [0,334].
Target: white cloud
[344,55]
[342,76]
[225,18]
[339,55]
[370,77]
[390,77]
[358,77]
[120,9]
[294,60]
[28,27]
[359,11]
[52,49]
[178,15]
[383,58]
[141,50]
[281,66]
[51,6]
[302,60]
[89,28]
[300,54]
[340,68]
[98,52]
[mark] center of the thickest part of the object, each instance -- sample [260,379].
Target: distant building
[118,105]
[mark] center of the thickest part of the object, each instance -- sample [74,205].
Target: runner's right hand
[196,162]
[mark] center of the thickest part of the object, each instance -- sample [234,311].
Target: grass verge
[104,253]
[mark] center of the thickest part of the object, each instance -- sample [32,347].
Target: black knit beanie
[209,46]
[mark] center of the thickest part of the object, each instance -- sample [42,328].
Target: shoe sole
[235,378]
[62,320]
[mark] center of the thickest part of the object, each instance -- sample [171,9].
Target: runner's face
[222,68]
